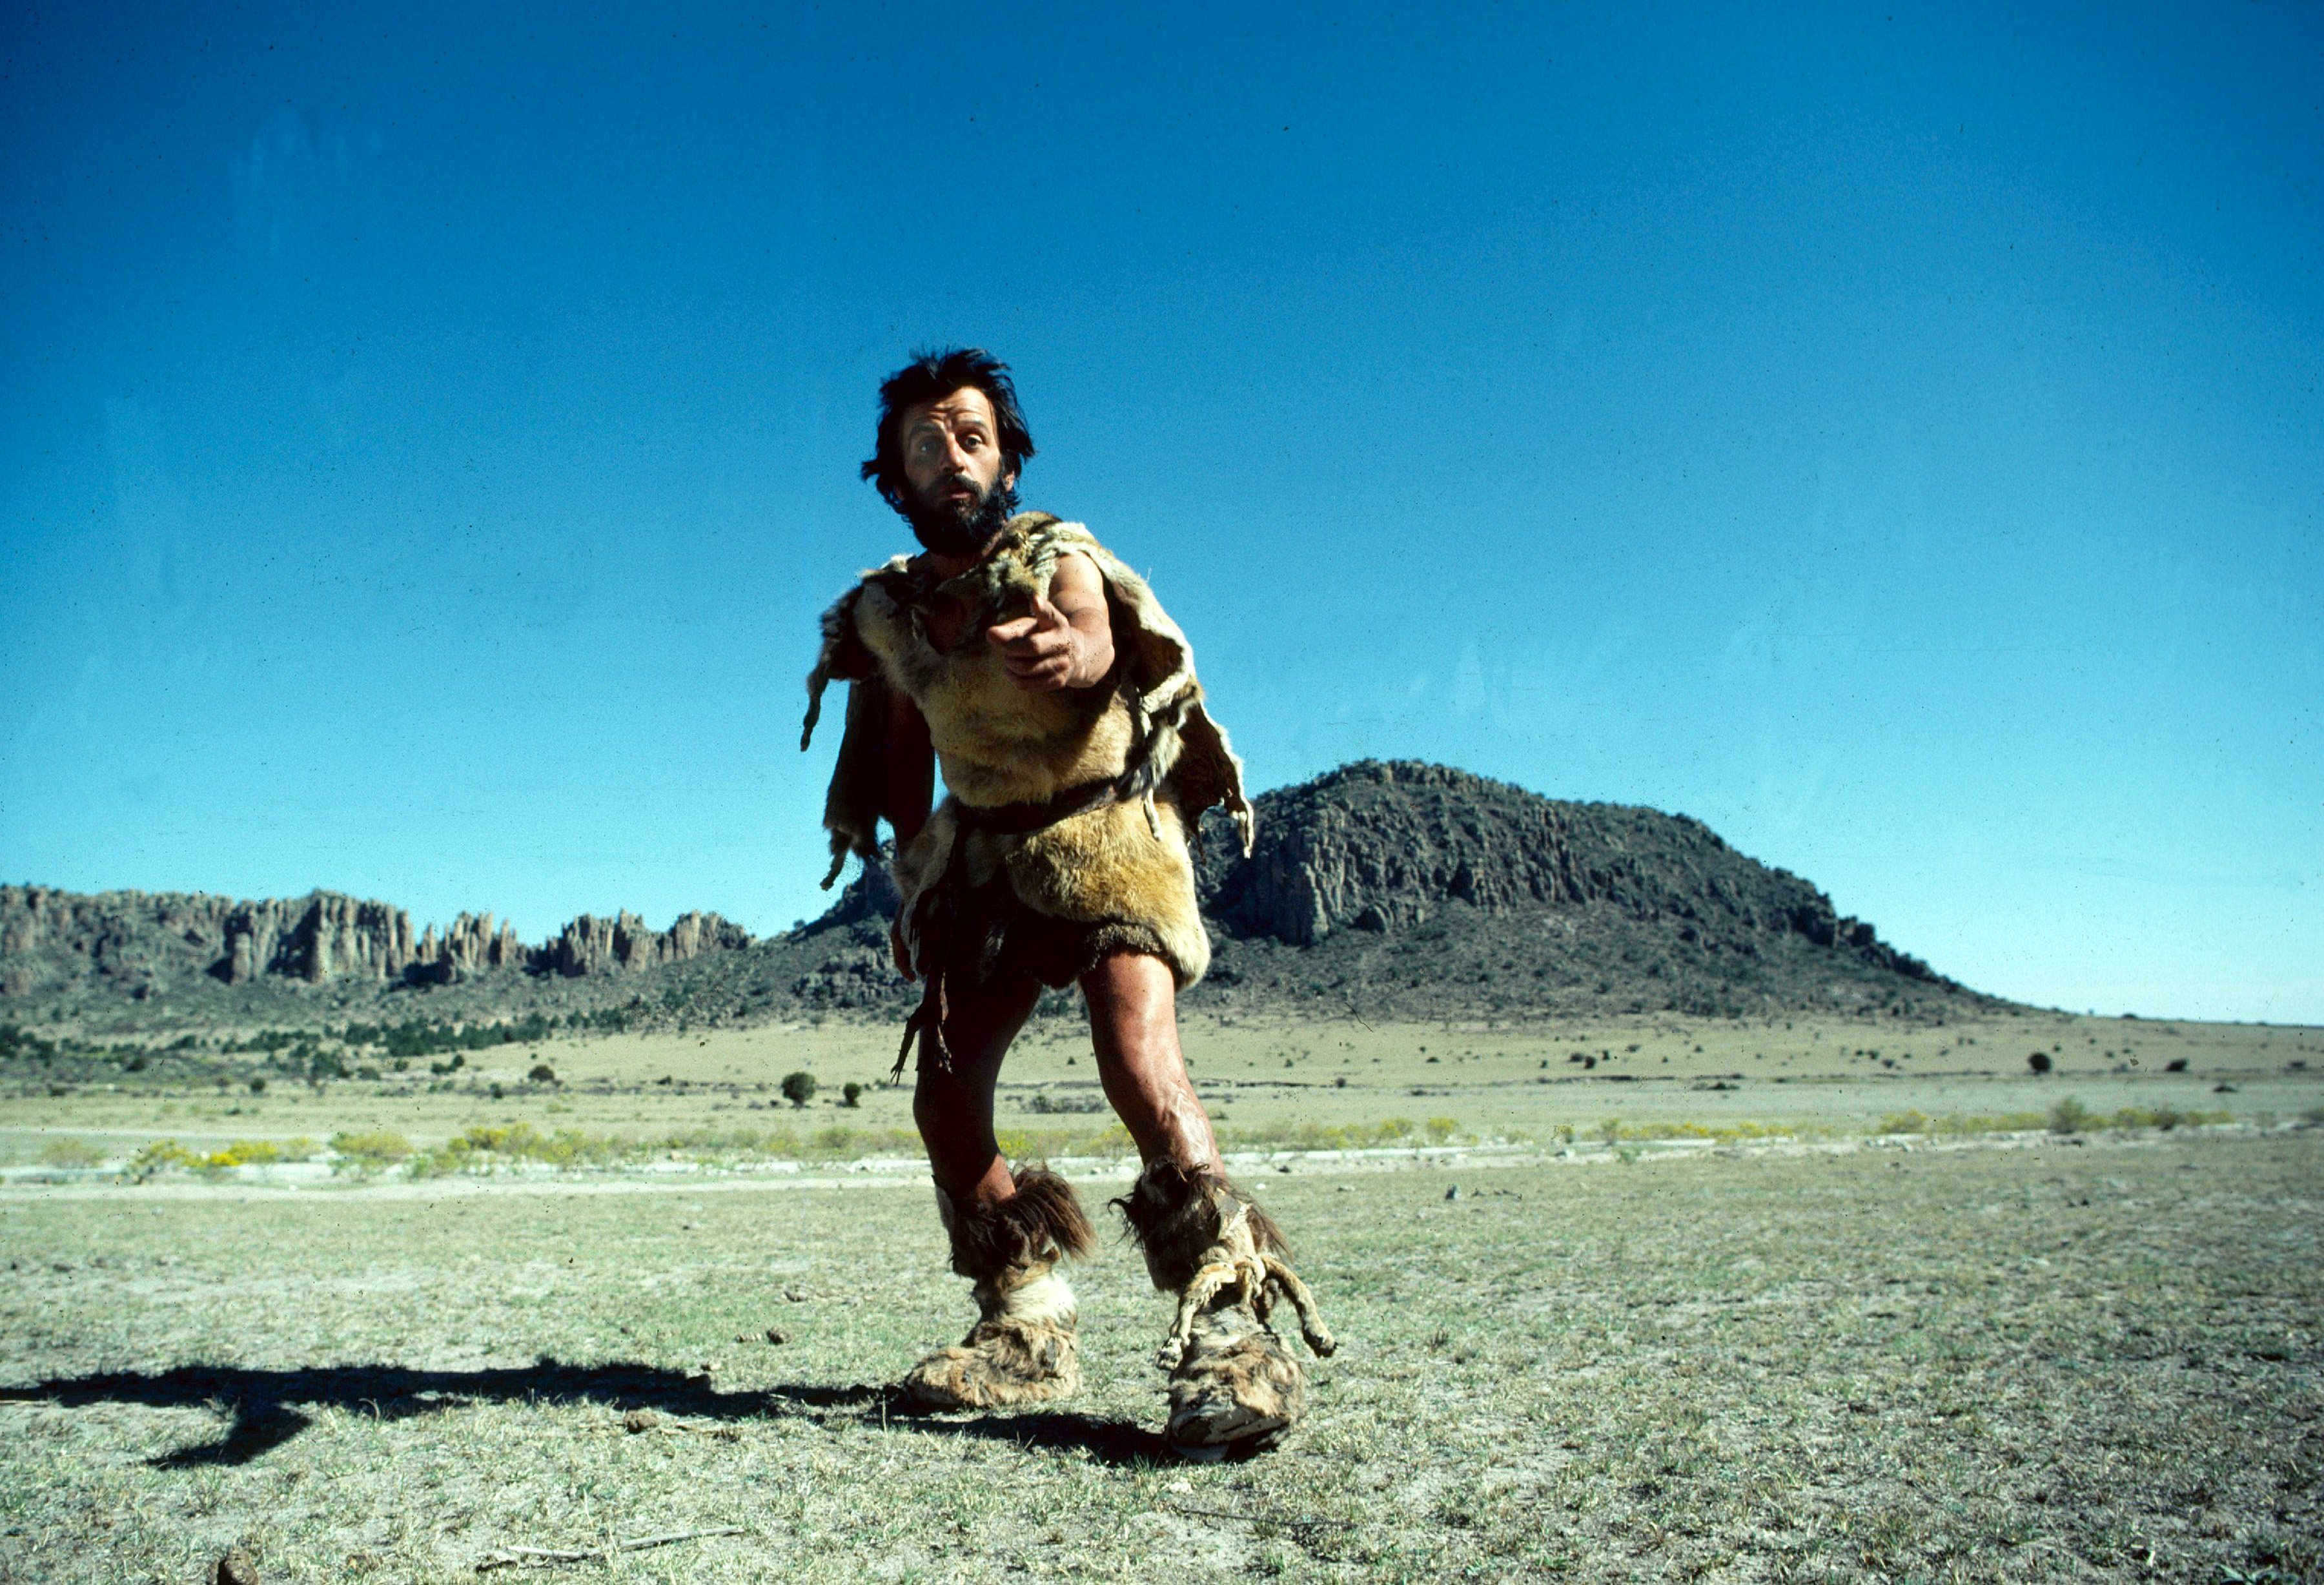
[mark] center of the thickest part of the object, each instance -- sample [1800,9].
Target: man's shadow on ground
[271,1407]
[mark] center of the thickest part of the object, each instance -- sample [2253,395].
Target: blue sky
[1891,435]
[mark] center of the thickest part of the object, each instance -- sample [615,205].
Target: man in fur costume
[1042,676]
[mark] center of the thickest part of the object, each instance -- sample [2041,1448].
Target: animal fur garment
[1233,1383]
[1177,1214]
[1146,736]
[1021,1350]
[1006,1359]
[1042,1222]
[1236,1387]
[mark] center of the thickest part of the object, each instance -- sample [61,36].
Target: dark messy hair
[932,376]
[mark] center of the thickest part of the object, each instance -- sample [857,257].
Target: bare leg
[1133,1007]
[955,1109]
[1232,1382]
[1007,1232]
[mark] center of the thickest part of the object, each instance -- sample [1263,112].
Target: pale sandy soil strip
[33,1185]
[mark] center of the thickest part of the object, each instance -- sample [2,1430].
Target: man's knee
[1125,972]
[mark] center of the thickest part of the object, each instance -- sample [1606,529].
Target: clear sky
[1889,434]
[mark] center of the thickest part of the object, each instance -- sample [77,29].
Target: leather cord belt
[936,913]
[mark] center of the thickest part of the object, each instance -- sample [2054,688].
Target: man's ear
[1008,480]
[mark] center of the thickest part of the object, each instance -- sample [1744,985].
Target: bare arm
[1067,640]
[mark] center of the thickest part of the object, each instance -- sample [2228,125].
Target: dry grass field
[1643,1319]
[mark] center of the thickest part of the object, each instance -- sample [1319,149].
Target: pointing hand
[1040,648]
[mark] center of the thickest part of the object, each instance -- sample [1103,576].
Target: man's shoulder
[1047,528]
[874,593]
[1042,541]
[873,581]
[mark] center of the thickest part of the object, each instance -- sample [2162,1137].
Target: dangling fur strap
[937,909]
[1263,1274]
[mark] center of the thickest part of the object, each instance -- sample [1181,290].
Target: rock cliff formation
[594,945]
[141,943]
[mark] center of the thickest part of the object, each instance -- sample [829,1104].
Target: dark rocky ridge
[1376,846]
[1379,890]
[1406,888]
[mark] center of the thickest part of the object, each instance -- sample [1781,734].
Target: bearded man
[1042,674]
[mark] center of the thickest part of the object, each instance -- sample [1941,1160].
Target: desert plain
[1786,1298]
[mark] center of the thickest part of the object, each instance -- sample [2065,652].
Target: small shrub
[1441,1128]
[2070,1116]
[799,1088]
[161,1156]
[371,1150]
[851,1094]
[70,1153]
[258,1087]
[254,1153]
[543,1073]
[2039,1062]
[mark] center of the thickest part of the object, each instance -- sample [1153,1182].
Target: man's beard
[958,527]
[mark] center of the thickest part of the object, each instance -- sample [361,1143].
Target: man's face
[953,466]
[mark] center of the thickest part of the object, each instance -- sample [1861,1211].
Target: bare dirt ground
[1781,1353]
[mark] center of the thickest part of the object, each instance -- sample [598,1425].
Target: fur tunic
[1121,869]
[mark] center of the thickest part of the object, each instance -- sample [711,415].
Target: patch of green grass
[485,1148]
[1615,1130]
[2069,1116]
[1386,1133]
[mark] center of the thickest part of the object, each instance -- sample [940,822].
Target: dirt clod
[235,1568]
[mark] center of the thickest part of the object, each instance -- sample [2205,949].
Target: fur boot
[1234,1385]
[1021,1348]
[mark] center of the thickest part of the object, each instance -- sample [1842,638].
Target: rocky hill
[1418,890]
[1379,890]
